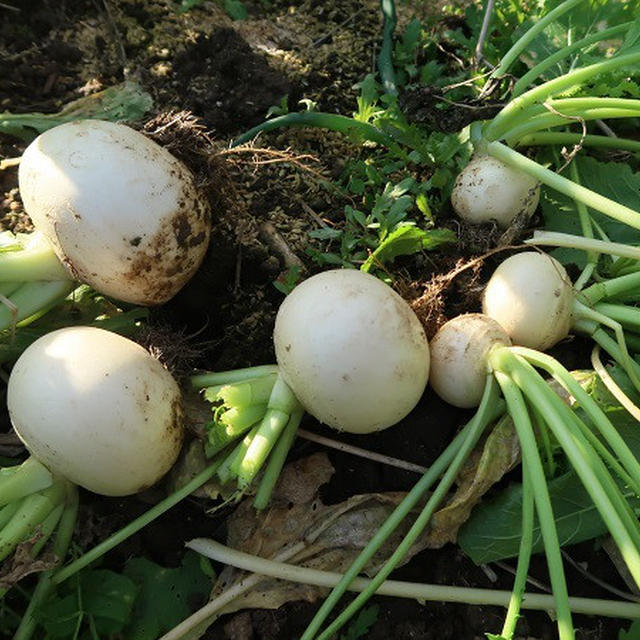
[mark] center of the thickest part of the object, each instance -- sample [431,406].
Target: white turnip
[97,409]
[121,213]
[352,351]
[487,189]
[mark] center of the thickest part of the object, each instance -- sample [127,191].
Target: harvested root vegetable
[121,213]
[487,189]
[530,295]
[459,358]
[352,350]
[96,408]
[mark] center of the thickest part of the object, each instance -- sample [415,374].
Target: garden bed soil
[227,75]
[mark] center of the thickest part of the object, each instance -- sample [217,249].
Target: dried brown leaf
[335,534]
[485,466]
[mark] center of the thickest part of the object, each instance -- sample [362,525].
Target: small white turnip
[121,213]
[459,353]
[530,295]
[97,409]
[352,351]
[487,189]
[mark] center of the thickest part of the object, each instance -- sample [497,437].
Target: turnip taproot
[96,408]
[487,189]
[352,350]
[531,296]
[121,213]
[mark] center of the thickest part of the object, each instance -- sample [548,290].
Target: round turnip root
[459,358]
[530,295]
[121,213]
[487,189]
[352,351]
[97,409]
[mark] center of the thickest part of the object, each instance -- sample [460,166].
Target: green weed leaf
[167,596]
[404,241]
[103,599]
[359,628]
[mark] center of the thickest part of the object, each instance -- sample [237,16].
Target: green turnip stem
[237,420]
[282,403]
[535,72]
[231,466]
[418,526]
[141,521]
[503,121]
[590,140]
[557,239]
[594,200]
[576,106]
[590,469]
[610,460]
[523,42]
[628,317]
[32,299]
[545,442]
[577,429]
[214,608]
[243,394]
[524,555]
[532,465]
[490,407]
[586,226]
[40,536]
[536,123]
[611,288]
[46,528]
[582,312]
[412,590]
[385,61]
[32,511]
[210,378]
[330,121]
[7,512]
[222,435]
[7,288]
[612,385]
[17,482]
[38,262]
[612,347]
[277,459]
[593,410]
[44,587]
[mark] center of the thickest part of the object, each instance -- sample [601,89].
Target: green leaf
[325,233]
[359,627]
[235,9]
[493,531]
[406,240]
[104,596]
[167,596]
[123,102]
[614,180]
[632,633]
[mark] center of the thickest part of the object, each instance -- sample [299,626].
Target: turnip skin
[121,213]
[459,353]
[96,408]
[352,351]
[530,295]
[487,189]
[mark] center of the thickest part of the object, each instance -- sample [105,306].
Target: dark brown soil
[228,75]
